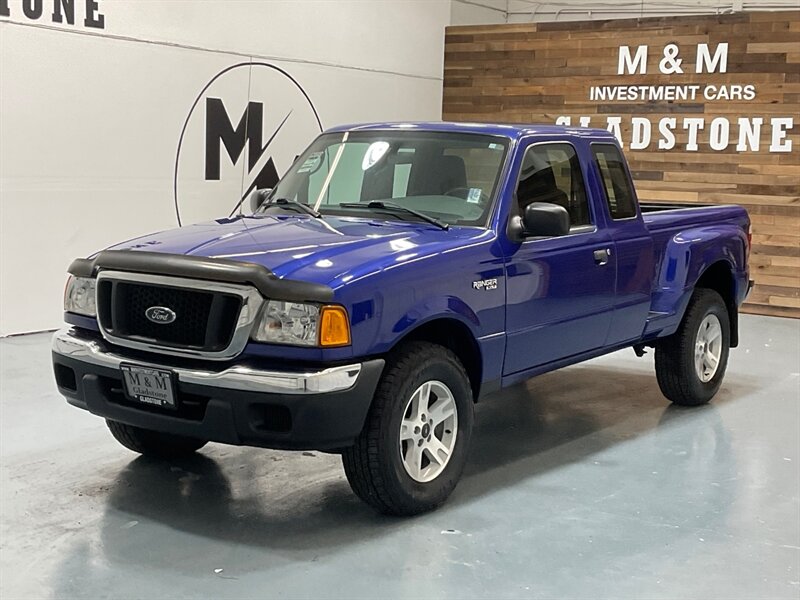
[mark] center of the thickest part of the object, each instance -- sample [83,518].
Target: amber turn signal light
[334,327]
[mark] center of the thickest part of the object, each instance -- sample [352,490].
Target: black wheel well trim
[718,276]
[468,351]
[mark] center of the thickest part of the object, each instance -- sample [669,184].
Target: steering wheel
[483,200]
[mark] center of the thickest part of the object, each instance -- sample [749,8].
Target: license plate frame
[149,386]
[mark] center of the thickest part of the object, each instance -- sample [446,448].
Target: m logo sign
[243,130]
[249,132]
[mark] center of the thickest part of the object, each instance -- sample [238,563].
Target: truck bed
[672,225]
[664,216]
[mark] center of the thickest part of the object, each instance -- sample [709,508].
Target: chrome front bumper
[333,379]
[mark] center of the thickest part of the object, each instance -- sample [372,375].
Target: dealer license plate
[149,386]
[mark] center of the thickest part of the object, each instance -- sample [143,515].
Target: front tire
[153,443]
[412,451]
[691,363]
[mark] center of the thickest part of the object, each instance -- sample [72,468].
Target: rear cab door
[632,242]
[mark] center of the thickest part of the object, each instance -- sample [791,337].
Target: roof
[510,130]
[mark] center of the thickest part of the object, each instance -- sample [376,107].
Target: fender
[430,309]
[688,255]
[490,347]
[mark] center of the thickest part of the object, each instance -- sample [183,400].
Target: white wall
[479,12]
[522,11]
[90,118]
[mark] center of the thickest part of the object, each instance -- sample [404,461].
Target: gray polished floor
[582,483]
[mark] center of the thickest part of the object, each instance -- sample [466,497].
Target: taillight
[749,238]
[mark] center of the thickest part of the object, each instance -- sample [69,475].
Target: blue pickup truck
[394,276]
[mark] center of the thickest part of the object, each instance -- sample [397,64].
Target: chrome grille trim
[252,301]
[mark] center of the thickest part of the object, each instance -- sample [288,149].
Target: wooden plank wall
[536,72]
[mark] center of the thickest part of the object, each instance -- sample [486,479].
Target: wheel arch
[711,257]
[457,337]
[719,277]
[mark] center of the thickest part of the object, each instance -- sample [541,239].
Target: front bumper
[241,404]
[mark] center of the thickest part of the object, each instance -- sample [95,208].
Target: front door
[560,290]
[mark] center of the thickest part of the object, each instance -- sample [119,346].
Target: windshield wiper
[383,205]
[286,202]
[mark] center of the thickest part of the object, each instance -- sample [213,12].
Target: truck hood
[332,250]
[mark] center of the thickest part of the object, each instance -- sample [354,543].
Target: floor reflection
[275,500]
[580,483]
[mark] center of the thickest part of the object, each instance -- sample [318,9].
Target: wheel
[153,443]
[410,455]
[690,364]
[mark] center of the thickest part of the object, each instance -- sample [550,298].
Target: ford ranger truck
[394,276]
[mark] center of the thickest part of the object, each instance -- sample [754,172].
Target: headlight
[288,323]
[303,324]
[79,296]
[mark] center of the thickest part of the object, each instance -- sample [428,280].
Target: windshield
[451,177]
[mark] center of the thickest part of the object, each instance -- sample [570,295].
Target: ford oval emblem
[160,314]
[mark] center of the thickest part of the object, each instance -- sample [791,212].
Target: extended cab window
[552,173]
[616,184]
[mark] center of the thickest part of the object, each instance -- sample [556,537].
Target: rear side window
[619,193]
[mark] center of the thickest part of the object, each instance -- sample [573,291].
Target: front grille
[192,308]
[204,320]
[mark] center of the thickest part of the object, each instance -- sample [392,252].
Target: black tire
[374,466]
[153,443]
[675,355]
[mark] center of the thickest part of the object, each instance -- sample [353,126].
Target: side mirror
[258,197]
[543,219]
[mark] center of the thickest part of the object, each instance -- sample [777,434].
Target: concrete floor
[582,483]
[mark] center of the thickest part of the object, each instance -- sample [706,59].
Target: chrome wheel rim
[428,431]
[708,348]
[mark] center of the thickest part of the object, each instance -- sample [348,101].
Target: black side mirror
[543,219]
[258,197]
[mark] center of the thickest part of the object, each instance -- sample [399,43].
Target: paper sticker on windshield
[494,146]
[474,196]
[311,163]
[373,154]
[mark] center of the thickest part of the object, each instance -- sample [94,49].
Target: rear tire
[398,465]
[691,363]
[153,443]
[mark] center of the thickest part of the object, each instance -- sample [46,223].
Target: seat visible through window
[551,173]
[429,176]
[540,186]
[437,175]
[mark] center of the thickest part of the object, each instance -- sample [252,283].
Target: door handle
[601,256]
